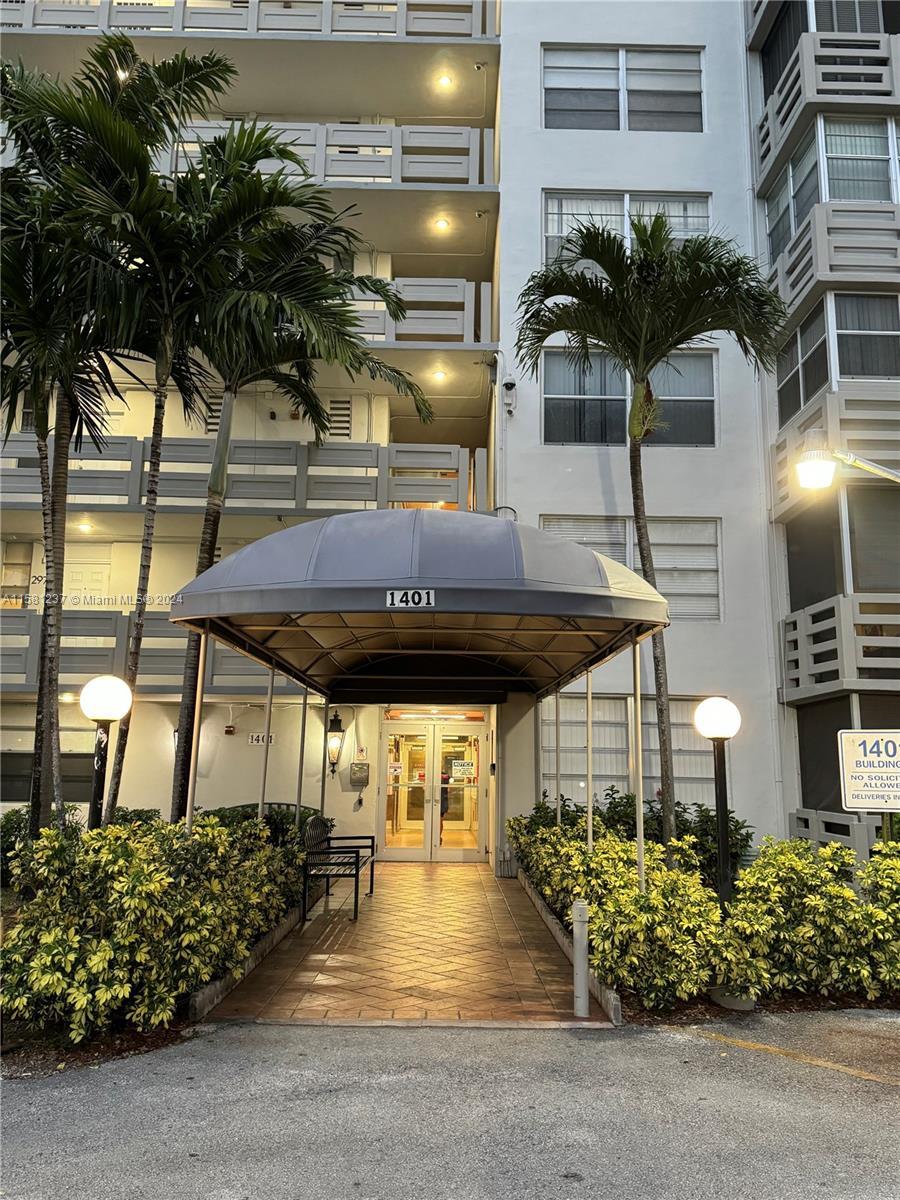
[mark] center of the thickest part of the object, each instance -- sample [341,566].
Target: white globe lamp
[103,699]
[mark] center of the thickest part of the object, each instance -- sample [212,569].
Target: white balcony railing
[397,19]
[861,416]
[844,643]
[834,71]
[439,154]
[437,310]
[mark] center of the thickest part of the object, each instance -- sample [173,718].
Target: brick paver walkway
[437,942]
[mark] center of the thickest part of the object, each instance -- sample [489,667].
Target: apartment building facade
[469,138]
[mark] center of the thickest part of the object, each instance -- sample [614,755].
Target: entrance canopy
[422,605]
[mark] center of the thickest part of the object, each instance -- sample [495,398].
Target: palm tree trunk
[209,536]
[160,395]
[59,488]
[660,674]
[38,816]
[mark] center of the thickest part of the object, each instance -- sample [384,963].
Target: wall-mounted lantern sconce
[336,733]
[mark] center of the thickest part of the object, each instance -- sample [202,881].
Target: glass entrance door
[434,788]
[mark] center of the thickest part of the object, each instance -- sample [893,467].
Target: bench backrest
[315,835]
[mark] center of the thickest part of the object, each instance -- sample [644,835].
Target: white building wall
[734,655]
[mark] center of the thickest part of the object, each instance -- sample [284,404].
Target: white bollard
[582,1005]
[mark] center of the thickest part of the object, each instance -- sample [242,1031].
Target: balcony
[437,310]
[381,154]
[295,479]
[399,19]
[96,643]
[862,417]
[840,72]
[843,644]
[845,244]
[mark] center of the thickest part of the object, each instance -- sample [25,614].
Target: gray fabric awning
[512,608]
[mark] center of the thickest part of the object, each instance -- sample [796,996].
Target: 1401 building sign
[870,769]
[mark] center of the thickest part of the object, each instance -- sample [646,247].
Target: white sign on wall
[870,769]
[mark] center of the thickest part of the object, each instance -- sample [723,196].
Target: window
[685,555]
[795,192]
[340,417]
[848,16]
[692,754]
[564,211]
[868,336]
[857,151]
[582,89]
[780,44]
[15,579]
[686,388]
[874,521]
[583,406]
[589,407]
[802,369]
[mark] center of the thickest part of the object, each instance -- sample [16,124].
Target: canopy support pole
[558,771]
[299,804]
[637,754]
[589,730]
[324,755]
[195,735]
[266,734]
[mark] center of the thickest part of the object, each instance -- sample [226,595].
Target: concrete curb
[607,997]
[200,1002]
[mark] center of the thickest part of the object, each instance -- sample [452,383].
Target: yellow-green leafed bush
[797,923]
[127,919]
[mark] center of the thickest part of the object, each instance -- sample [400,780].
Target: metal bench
[327,860]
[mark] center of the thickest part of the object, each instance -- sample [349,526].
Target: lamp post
[335,740]
[719,720]
[817,463]
[103,700]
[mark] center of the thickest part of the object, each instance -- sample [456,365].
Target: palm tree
[280,308]
[639,306]
[58,323]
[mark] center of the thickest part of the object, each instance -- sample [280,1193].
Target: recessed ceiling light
[121,74]
[445,81]
[439,376]
[84,527]
[442,224]
[67,697]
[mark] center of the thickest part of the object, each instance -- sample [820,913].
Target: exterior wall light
[817,463]
[719,720]
[103,700]
[336,733]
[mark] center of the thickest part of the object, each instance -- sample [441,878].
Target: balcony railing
[862,417]
[286,477]
[845,643]
[839,72]
[402,18]
[439,154]
[437,310]
[96,643]
[847,243]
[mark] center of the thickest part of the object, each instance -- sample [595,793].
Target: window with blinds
[685,555]
[583,88]
[795,192]
[688,214]
[590,407]
[781,43]
[802,368]
[868,336]
[847,16]
[213,416]
[340,416]
[692,754]
[874,523]
[858,156]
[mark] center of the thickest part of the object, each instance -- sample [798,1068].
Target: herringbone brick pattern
[441,942]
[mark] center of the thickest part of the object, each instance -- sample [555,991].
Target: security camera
[509,383]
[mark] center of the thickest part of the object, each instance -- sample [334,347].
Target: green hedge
[802,919]
[128,919]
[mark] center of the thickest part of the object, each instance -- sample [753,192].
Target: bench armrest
[368,839]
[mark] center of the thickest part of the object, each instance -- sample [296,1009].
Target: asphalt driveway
[763,1107]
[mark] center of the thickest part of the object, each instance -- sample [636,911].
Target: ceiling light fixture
[121,74]
[439,376]
[442,224]
[84,527]
[445,81]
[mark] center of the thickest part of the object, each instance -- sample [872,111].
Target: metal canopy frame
[515,609]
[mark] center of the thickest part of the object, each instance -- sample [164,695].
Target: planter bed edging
[607,997]
[207,997]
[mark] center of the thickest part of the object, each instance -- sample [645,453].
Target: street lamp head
[717,718]
[816,465]
[105,698]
